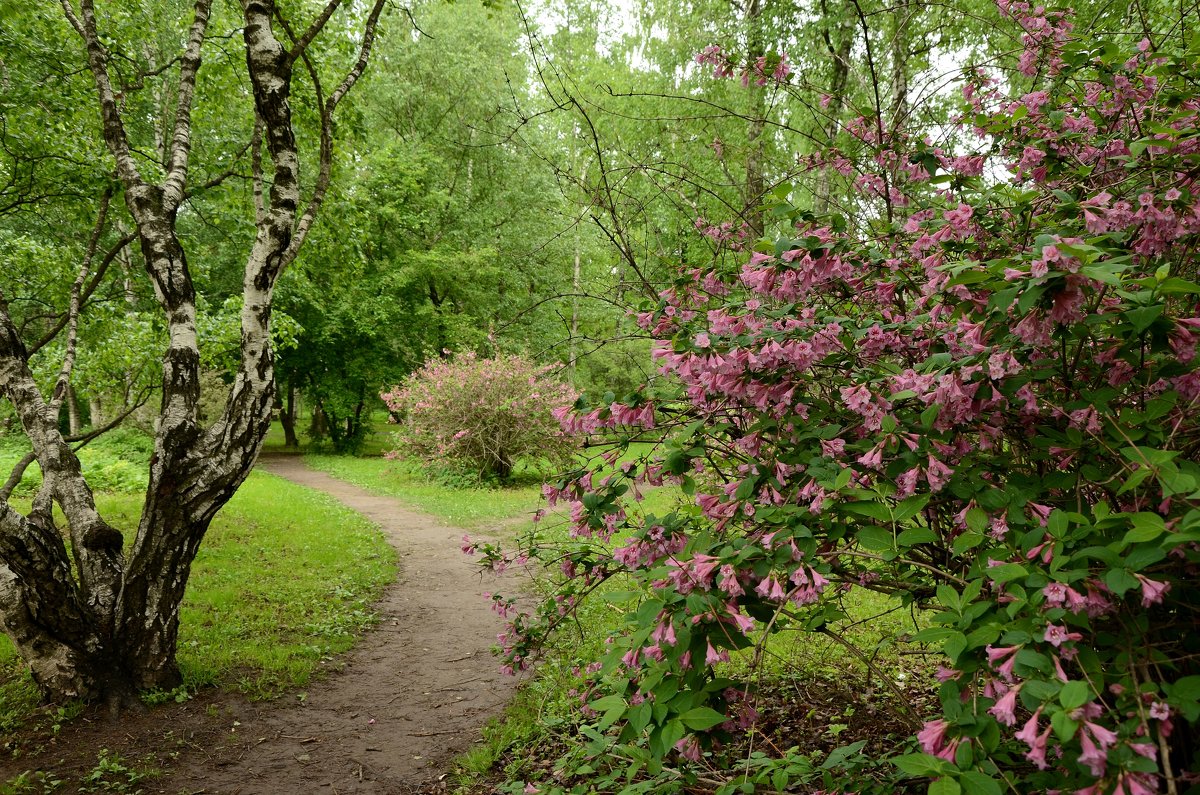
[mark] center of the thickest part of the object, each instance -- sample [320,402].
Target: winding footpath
[412,695]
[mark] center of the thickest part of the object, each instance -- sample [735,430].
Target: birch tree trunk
[107,626]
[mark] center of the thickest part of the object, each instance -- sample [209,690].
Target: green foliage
[118,461]
[31,783]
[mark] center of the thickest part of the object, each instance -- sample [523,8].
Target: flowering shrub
[481,415]
[983,401]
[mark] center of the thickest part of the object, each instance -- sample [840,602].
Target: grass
[283,583]
[469,508]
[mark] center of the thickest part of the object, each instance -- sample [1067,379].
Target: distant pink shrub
[481,415]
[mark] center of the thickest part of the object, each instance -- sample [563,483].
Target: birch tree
[96,615]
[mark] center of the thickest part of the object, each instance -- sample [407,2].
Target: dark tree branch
[68,365]
[300,45]
[97,277]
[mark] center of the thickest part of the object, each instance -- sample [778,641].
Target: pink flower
[1004,709]
[689,748]
[944,674]
[933,736]
[938,474]
[712,656]
[1152,590]
[906,484]
[997,653]
[1029,731]
[1136,784]
[873,457]
[1093,756]
[1055,594]
[1057,635]
[1037,750]
[729,582]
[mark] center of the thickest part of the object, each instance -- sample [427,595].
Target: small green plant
[31,782]
[154,698]
[65,714]
[112,774]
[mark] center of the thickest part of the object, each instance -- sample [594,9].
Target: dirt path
[413,693]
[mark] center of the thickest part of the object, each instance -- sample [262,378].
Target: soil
[413,694]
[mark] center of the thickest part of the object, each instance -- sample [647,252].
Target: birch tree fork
[97,621]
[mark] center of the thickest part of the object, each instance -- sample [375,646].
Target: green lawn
[469,508]
[284,581]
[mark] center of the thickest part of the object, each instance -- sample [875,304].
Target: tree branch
[326,155]
[68,365]
[189,65]
[300,45]
[61,323]
[110,113]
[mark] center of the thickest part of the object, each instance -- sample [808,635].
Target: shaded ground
[412,694]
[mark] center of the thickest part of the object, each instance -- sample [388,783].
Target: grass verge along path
[468,508]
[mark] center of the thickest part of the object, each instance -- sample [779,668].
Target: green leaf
[916,535]
[1184,695]
[671,733]
[1144,317]
[870,509]
[1006,572]
[966,541]
[1074,694]
[1119,581]
[1149,455]
[702,718]
[977,519]
[933,635]
[1135,480]
[875,539]
[612,713]
[919,765]
[1176,286]
[1064,726]
[976,783]
[944,786]
[839,755]
[910,507]
[606,703]
[1146,527]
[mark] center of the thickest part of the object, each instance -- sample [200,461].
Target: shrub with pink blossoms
[481,415]
[982,400]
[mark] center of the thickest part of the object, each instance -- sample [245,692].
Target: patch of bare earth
[412,695]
